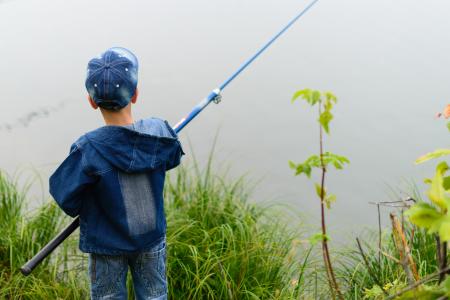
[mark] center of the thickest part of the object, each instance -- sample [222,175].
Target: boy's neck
[117,118]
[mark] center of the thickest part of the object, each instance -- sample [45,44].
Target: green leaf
[446,183]
[436,226]
[328,105]
[324,120]
[432,155]
[446,284]
[373,293]
[319,190]
[425,293]
[437,193]
[318,237]
[336,160]
[304,94]
[315,97]
[330,97]
[292,165]
[304,168]
[424,215]
[444,230]
[307,166]
[448,125]
[331,198]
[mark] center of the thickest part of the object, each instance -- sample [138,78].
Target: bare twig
[406,259]
[398,203]
[379,233]
[444,256]
[441,257]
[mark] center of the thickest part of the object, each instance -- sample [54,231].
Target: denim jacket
[113,179]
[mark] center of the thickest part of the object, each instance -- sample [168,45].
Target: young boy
[113,179]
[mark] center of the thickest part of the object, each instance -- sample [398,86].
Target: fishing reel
[217,99]
[218,96]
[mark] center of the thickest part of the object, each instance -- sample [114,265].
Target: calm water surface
[387,61]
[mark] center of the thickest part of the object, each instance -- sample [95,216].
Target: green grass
[353,270]
[21,236]
[220,246]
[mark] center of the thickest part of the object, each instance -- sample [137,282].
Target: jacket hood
[145,145]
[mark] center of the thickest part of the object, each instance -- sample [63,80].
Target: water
[387,61]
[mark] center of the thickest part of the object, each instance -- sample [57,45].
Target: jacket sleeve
[175,152]
[69,181]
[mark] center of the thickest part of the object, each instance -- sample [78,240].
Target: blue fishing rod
[214,96]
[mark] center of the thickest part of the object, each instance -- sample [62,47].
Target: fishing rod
[214,96]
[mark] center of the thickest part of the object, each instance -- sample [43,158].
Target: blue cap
[112,77]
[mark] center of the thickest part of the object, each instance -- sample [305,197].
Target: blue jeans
[108,274]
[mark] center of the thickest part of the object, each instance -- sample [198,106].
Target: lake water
[387,61]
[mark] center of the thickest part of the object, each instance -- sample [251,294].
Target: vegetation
[412,261]
[222,247]
[325,102]
[219,245]
[21,236]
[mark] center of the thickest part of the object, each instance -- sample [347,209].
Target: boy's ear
[92,103]
[134,98]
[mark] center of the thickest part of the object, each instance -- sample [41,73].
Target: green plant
[435,218]
[386,269]
[22,234]
[325,102]
[220,246]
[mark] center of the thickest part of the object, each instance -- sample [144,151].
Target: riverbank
[220,246]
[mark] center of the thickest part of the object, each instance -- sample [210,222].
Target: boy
[113,179]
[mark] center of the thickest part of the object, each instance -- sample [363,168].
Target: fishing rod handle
[28,267]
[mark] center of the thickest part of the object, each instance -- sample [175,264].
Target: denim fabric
[113,179]
[108,274]
[112,77]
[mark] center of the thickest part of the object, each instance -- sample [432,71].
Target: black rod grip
[27,268]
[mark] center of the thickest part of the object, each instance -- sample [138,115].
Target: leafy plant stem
[326,254]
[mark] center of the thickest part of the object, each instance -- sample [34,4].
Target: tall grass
[220,246]
[386,270]
[21,236]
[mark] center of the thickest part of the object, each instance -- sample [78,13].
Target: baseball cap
[112,77]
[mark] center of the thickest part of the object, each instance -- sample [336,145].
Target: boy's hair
[112,77]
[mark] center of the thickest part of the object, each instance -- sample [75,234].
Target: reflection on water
[34,115]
